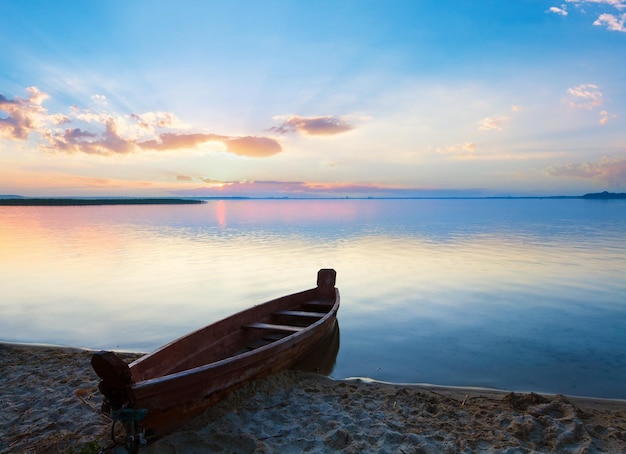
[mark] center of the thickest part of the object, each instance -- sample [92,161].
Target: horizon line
[176,199]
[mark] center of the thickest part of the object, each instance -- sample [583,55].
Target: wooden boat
[163,389]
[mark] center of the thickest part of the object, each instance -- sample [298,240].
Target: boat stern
[326,278]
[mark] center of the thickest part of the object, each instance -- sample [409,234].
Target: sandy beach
[50,403]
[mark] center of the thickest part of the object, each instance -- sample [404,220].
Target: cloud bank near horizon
[608,170]
[300,189]
[101,133]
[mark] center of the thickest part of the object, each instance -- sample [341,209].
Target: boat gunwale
[216,364]
[197,331]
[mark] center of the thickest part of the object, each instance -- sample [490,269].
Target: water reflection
[522,294]
[323,357]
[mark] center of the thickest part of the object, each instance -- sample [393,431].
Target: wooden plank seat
[301,314]
[269,338]
[273,337]
[319,304]
[278,328]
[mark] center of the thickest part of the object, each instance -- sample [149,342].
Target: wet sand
[50,403]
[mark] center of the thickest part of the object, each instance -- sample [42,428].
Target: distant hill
[605,195]
[10,196]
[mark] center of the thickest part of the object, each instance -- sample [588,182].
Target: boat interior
[283,323]
[235,335]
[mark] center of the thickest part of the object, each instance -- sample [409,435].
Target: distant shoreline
[18,201]
[14,200]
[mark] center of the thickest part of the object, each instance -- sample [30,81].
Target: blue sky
[337,98]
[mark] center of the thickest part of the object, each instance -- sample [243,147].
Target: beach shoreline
[51,404]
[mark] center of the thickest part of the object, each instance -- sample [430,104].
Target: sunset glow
[331,99]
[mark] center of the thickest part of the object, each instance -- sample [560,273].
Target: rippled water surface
[524,294]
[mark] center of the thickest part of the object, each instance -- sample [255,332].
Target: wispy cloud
[608,20]
[99,99]
[610,171]
[556,10]
[612,22]
[619,4]
[605,117]
[492,123]
[152,120]
[86,131]
[585,96]
[312,126]
[465,149]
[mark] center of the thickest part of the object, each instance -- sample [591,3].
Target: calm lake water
[522,294]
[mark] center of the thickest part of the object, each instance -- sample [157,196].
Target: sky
[341,98]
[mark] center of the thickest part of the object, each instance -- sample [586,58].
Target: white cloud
[605,117]
[585,96]
[618,4]
[612,22]
[557,10]
[492,123]
[99,99]
[609,21]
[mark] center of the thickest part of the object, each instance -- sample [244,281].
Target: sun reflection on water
[443,291]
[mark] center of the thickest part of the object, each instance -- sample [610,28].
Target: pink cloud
[611,171]
[271,188]
[585,96]
[172,141]
[78,140]
[313,126]
[611,22]
[492,123]
[23,115]
[241,146]
[298,189]
[103,134]
[255,147]
[605,117]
